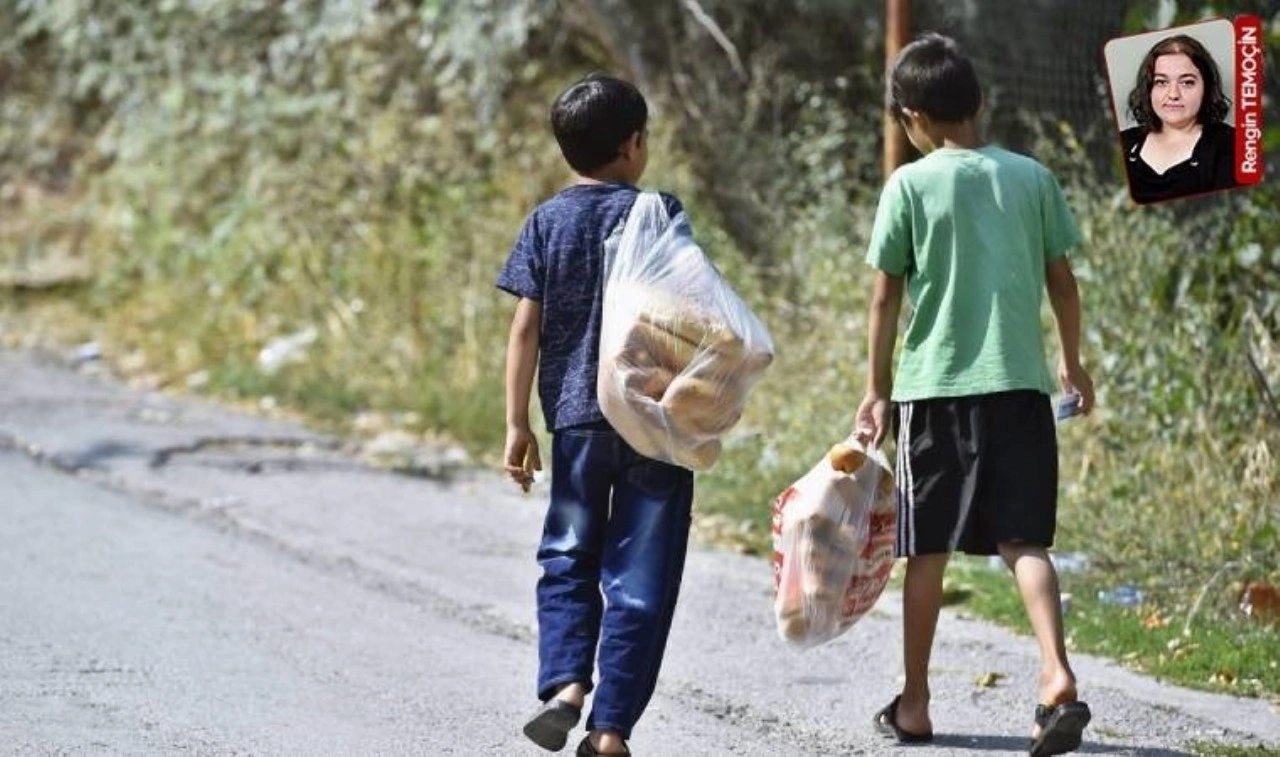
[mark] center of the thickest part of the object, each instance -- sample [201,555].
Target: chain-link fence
[1040,62]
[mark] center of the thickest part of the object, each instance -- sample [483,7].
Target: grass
[1216,749]
[1219,654]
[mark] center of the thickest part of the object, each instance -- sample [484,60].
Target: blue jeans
[617,522]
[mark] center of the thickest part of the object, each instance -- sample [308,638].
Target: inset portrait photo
[1173,94]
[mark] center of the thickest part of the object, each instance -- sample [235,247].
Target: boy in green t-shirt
[975,235]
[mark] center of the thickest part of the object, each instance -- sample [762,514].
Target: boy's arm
[520,458]
[1064,298]
[886,301]
[890,252]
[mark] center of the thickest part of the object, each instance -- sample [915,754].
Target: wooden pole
[897,31]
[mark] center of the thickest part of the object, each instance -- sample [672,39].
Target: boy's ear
[632,145]
[913,116]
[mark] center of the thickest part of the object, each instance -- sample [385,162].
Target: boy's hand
[521,458]
[871,424]
[1075,380]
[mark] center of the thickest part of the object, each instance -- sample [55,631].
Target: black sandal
[549,727]
[1061,728]
[886,722]
[587,749]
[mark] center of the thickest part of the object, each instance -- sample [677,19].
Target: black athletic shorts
[974,472]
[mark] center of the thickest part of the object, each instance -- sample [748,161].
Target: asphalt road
[178,578]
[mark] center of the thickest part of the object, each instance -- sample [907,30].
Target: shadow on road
[984,743]
[97,453]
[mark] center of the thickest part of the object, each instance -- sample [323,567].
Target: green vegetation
[217,176]
[1240,659]
[1213,749]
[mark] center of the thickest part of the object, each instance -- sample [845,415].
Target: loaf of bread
[694,328]
[884,486]
[700,457]
[648,344]
[629,420]
[675,378]
[646,381]
[792,623]
[702,408]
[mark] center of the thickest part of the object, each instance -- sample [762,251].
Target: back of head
[932,76]
[594,117]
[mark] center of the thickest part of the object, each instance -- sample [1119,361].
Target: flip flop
[886,722]
[1061,728]
[549,727]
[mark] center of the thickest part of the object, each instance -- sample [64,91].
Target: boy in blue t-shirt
[617,521]
[974,235]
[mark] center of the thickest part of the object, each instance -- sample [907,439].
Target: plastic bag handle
[647,202]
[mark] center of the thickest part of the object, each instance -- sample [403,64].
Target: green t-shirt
[972,232]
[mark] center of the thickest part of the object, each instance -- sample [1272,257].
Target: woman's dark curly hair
[1213,107]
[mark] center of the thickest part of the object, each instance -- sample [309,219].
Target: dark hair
[594,117]
[933,76]
[1214,105]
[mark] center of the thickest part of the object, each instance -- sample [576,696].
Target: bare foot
[1056,687]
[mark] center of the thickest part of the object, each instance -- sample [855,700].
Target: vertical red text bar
[1249,72]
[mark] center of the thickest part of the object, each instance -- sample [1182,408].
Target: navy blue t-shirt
[558,260]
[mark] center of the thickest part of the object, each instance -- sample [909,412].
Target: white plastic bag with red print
[679,349]
[833,544]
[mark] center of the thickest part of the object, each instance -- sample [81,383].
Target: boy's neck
[963,135]
[596,181]
[610,174]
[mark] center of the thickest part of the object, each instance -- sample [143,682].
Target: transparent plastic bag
[833,545]
[679,350]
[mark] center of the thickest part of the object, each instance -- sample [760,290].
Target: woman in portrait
[1181,145]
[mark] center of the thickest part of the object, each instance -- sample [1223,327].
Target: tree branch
[1264,388]
[1259,377]
[707,22]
